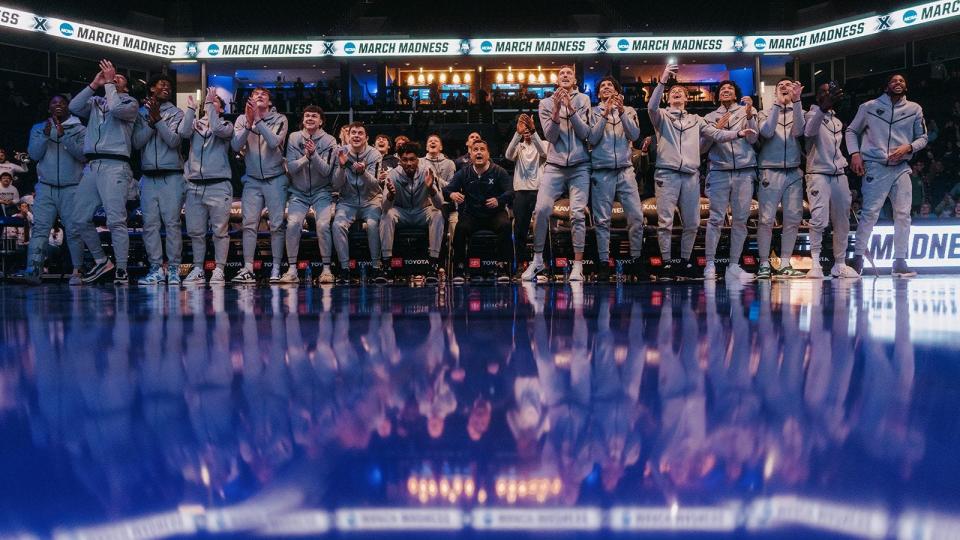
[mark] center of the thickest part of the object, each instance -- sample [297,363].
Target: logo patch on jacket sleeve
[660,183]
[815,192]
[765,183]
[880,111]
[868,179]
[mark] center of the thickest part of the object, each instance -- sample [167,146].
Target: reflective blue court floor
[801,409]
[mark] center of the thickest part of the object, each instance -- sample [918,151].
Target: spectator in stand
[951,212]
[925,212]
[9,194]
[23,233]
[12,167]
[945,206]
[54,248]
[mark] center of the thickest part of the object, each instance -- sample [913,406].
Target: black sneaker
[667,273]
[900,269]
[343,276]
[603,272]
[120,277]
[30,276]
[97,271]
[380,276]
[691,271]
[857,264]
[431,275]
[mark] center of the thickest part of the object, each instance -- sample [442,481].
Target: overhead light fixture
[456,78]
[430,78]
[443,78]
[541,78]
[421,79]
[467,78]
[410,80]
[510,76]
[553,77]
[500,77]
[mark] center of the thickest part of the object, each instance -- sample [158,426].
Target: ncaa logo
[623,45]
[213,49]
[349,47]
[910,16]
[760,43]
[66,29]
[486,46]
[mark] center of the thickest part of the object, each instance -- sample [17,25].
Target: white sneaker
[530,274]
[195,277]
[841,270]
[275,274]
[816,271]
[217,277]
[290,276]
[75,280]
[327,276]
[735,273]
[576,273]
[710,271]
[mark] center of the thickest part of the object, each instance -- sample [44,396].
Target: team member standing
[563,117]
[732,173]
[260,132]
[612,132]
[827,189]
[529,153]
[781,180]
[882,138]
[360,197]
[412,197]
[483,191]
[162,185]
[107,147]
[56,144]
[209,193]
[311,156]
[677,174]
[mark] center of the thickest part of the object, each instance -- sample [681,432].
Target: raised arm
[80,104]
[240,132]
[512,152]
[141,132]
[578,117]
[168,129]
[797,129]
[538,144]
[296,159]
[274,136]
[120,106]
[717,135]
[598,123]
[74,142]
[185,130]
[653,106]
[551,129]
[37,147]
[768,124]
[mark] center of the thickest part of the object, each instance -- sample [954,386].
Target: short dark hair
[781,79]
[736,88]
[437,135]
[358,125]
[890,78]
[262,89]
[401,136]
[616,84]
[382,136]
[409,147]
[480,141]
[315,109]
[5,173]
[159,77]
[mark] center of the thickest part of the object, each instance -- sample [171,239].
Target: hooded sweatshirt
[209,158]
[528,159]
[159,145]
[443,168]
[568,136]
[678,135]
[412,193]
[881,126]
[780,131]
[110,124]
[59,159]
[735,154]
[313,173]
[263,142]
[611,138]
[823,133]
[358,189]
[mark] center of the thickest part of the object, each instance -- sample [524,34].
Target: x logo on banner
[883,22]
[601,45]
[40,24]
[327,47]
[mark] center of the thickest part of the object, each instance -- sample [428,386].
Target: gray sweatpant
[428,216]
[271,193]
[733,189]
[779,187]
[674,189]
[161,199]
[104,183]
[880,182]
[345,215]
[323,208]
[48,203]
[829,198]
[622,184]
[554,181]
[208,206]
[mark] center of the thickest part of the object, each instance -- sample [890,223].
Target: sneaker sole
[94,278]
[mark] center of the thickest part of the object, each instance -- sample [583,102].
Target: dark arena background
[432,340]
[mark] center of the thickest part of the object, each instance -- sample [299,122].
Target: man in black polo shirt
[482,191]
